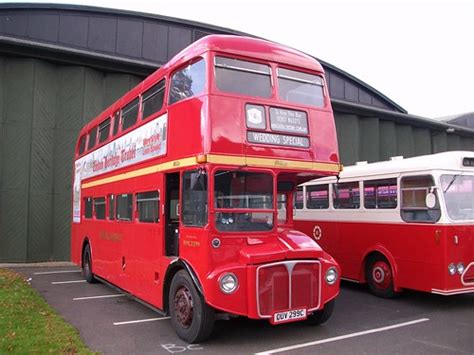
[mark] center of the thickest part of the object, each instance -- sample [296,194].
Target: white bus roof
[397,165]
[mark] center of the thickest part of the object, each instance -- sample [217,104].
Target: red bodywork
[418,253]
[209,131]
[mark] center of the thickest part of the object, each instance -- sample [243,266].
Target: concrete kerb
[41,264]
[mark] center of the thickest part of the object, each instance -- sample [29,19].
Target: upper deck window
[104,130]
[242,77]
[130,114]
[153,99]
[82,144]
[92,138]
[187,82]
[116,122]
[300,88]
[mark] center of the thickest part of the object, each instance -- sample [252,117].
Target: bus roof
[237,45]
[440,161]
[247,47]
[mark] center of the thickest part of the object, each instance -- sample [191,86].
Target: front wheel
[380,277]
[191,317]
[321,316]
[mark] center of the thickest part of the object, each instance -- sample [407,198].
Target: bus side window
[87,207]
[380,194]
[92,138]
[82,144]
[317,197]
[153,99]
[130,114]
[346,195]
[148,206]
[124,207]
[116,122]
[111,207]
[188,82]
[298,198]
[99,207]
[104,130]
[413,208]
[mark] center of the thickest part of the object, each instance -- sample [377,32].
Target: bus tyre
[87,265]
[191,317]
[321,316]
[380,277]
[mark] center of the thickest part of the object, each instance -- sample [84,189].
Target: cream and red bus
[183,187]
[398,224]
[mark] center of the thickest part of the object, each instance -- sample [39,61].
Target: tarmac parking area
[113,323]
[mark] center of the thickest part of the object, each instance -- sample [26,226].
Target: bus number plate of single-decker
[288,316]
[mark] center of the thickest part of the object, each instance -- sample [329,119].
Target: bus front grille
[288,285]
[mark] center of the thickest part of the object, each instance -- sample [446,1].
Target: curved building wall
[61,65]
[42,108]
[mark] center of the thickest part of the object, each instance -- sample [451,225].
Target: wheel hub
[381,275]
[183,306]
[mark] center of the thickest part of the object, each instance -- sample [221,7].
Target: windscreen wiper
[451,182]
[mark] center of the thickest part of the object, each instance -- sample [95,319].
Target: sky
[418,53]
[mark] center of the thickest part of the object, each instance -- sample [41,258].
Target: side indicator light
[201,159]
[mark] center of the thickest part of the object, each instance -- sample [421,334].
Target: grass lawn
[28,325]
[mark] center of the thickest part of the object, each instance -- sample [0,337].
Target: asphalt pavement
[113,323]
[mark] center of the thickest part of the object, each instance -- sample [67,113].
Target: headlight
[460,268]
[452,269]
[331,276]
[228,283]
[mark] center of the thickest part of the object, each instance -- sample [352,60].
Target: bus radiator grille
[288,285]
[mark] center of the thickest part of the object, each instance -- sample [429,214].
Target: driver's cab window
[281,208]
[416,192]
[194,198]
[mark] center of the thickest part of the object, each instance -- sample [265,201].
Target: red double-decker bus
[183,187]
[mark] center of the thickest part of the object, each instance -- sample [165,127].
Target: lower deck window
[88,207]
[317,197]
[346,195]
[99,207]
[124,207]
[148,206]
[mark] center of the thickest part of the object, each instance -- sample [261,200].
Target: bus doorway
[172,214]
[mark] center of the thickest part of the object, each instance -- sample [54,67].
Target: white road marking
[56,272]
[95,297]
[141,321]
[342,337]
[67,282]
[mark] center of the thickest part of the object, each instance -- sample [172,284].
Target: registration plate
[288,316]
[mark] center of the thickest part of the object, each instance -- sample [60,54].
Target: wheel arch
[173,269]
[84,243]
[383,251]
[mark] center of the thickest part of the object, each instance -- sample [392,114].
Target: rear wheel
[87,265]
[380,277]
[321,316]
[191,317]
